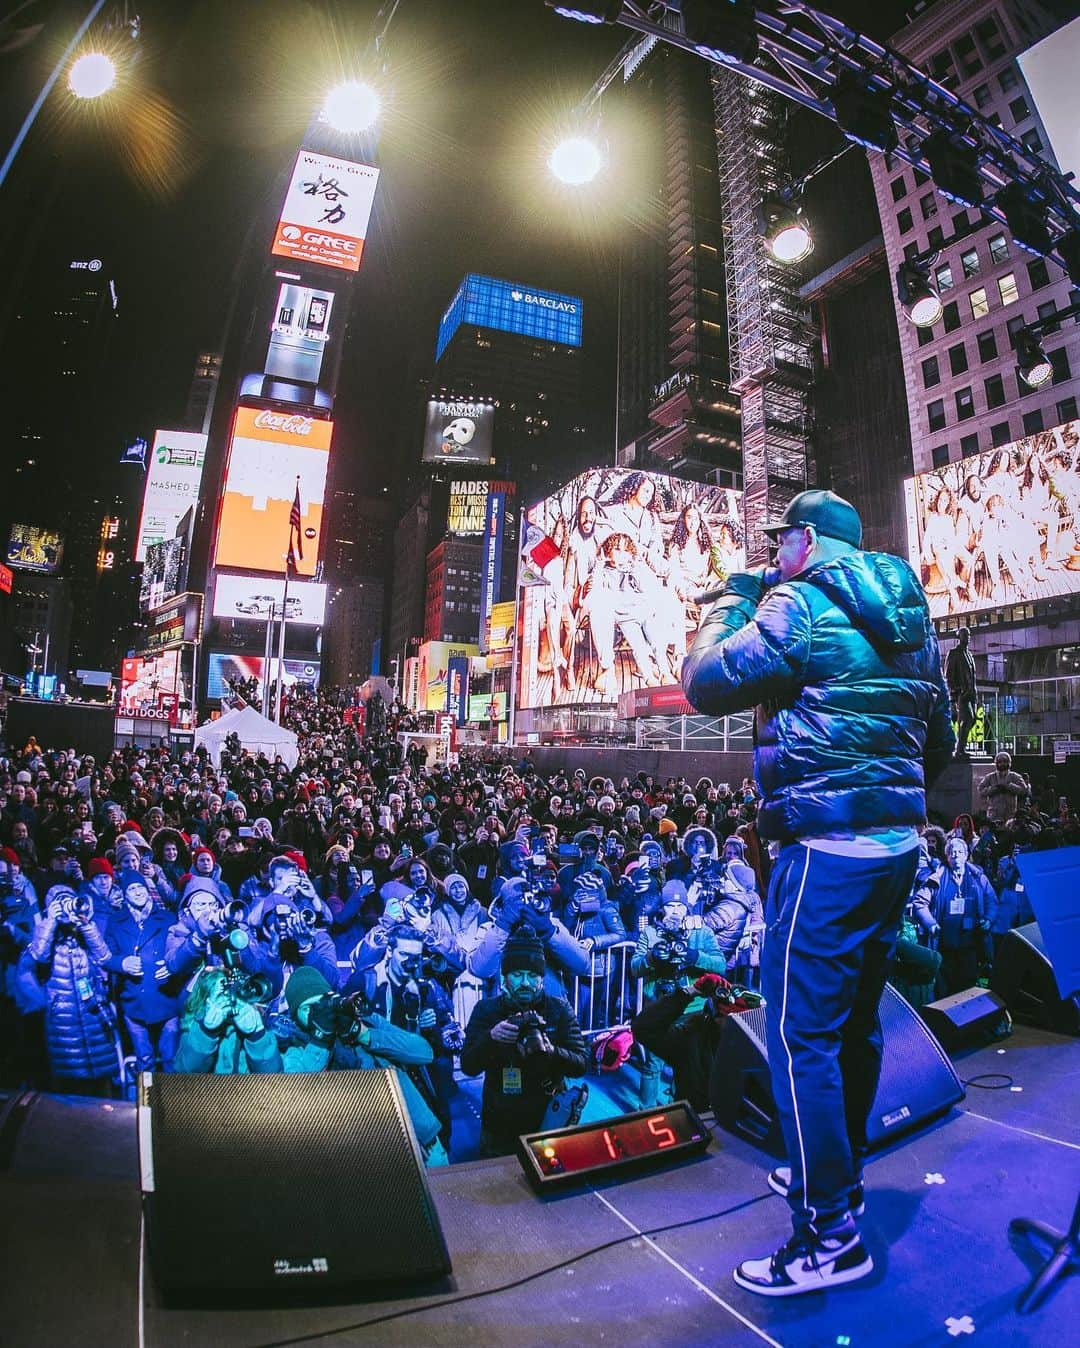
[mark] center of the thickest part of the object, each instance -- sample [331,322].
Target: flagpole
[281,650]
[295,521]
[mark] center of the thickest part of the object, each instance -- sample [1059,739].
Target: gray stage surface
[938,1208]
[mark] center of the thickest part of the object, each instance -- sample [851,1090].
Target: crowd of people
[161,912]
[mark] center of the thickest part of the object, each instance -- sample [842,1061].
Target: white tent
[255,733]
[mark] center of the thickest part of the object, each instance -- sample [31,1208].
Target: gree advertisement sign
[269,451]
[172,485]
[508,306]
[326,212]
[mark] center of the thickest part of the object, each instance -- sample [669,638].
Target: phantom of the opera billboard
[609,572]
[1001,527]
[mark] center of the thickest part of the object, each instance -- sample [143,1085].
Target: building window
[1045,311]
[904,222]
[969,261]
[1059,359]
[965,404]
[995,391]
[939,456]
[979,305]
[983,97]
[926,335]
[987,346]
[935,415]
[911,250]
[920,176]
[1033,422]
[936,237]
[898,187]
[969,445]
[1014,325]
[943,277]
[1038,274]
[1066,410]
[951,316]
[1031,141]
[1007,289]
[942,68]
[960,223]
[931,375]
[990,38]
[1008,80]
[958,358]
[928,206]
[999,248]
[1019,109]
[1000,434]
[970,63]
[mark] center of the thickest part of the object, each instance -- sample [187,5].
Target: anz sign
[486,302]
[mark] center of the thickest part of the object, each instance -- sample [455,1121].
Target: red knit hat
[99,866]
[199,851]
[9,855]
[298,859]
[130,826]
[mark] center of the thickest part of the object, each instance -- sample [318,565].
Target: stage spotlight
[724,32]
[92,75]
[351,108]
[864,114]
[918,298]
[1031,361]
[576,160]
[954,168]
[787,235]
[586,13]
[1026,219]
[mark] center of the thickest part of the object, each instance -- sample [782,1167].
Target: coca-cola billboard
[269,451]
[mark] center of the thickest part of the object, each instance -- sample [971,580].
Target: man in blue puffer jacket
[852,725]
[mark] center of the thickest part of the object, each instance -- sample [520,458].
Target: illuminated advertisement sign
[457,688]
[251,597]
[1001,527]
[225,668]
[153,686]
[468,506]
[174,623]
[326,211]
[458,429]
[297,361]
[7,579]
[487,707]
[499,634]
[510,307]
[431,673]
[491,556]
[162,572]
[1050,70]
[110,532]
[269,450]
[172,485]
[32,549]
[621,555]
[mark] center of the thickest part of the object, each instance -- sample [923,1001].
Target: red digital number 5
[660,1130]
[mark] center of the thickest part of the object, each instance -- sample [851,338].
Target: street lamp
[352,107]
[92,75]
[576,160]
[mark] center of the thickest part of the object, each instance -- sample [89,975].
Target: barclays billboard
[509,307]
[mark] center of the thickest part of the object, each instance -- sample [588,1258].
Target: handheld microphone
[770,577]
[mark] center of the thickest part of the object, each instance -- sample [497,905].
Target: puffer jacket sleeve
[746,653]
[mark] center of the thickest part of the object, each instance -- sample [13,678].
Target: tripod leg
[1039,1287]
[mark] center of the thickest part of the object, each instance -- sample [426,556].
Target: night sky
[165,183]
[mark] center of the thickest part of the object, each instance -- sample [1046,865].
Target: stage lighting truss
[1032,363]
[917,294]
[861,85]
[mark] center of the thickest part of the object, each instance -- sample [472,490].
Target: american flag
[296,537]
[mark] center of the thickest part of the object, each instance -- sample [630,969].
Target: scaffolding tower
[771,333]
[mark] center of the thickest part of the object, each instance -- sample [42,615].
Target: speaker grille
[307,1178]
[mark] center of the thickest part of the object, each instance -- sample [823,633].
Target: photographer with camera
[522,904]
[327,1032]
[585,862]
[146,994]
[293,925]
[223,1029]
[62,972]
[731,903]
[525,1042]
[207,930]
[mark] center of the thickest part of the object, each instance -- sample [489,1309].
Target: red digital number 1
[609,1142]
[659,1129]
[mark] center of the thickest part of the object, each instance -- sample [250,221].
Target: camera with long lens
[531,1026]
[334,1017]
[75,908]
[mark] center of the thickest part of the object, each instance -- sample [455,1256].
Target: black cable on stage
[1003,1079]
[517,1282]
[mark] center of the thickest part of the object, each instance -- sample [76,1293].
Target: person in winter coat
[835,649]
[171,853]
[466,919]
[958,916]
[513,910]
[733,902]
[224,1032]
[199,936]
[63,970]
[204,866]
[147,994]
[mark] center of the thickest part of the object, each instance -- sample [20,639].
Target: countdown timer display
[648,1138]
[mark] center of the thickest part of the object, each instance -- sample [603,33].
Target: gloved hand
[132,966]
[709,985]
[247,1020]
[541,923]
[217,1011]
[511,907]
[426,1019]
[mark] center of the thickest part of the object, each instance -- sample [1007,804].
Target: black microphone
[770,578]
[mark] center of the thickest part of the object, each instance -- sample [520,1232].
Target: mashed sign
[326,211]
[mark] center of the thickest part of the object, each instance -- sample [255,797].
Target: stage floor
[546,1272]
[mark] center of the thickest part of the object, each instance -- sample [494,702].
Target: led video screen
[226,668]
[152,685]
[31,548]
[162,572]
[251,598]
[325,215]
[458,429]
[269,451]
[1001,527]
[172,485]
[508,306]
[609,571]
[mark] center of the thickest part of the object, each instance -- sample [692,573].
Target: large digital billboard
[269,450]
[251,598]
[1002,527]
[153,685]
[432,671]
[162,573]
[467,508]
[618,558]
[511,307]
[458,429]
[172,485]
[226,668]
[325,215]
[1050,70]
[31,548]
[293,354]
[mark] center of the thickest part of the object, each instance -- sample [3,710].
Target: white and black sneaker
[779,1182]
[809,1263]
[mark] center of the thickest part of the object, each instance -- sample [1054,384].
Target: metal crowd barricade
[609,994]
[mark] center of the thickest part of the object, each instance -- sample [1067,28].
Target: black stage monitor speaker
[1024,980]
[964,1018]
[300,1181]
[917,1079]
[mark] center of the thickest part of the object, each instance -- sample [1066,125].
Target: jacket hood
[699,831]
[879,593]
